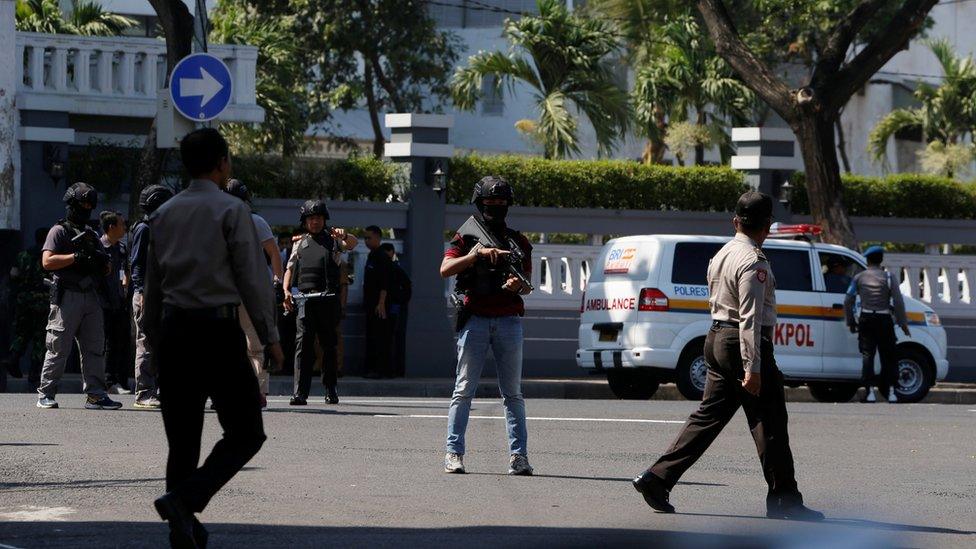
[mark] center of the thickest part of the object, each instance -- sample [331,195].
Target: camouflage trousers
[29,331]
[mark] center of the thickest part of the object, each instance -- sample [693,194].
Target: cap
[874,250]
[236,188]
[754,209]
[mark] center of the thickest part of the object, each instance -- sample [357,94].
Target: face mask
[78,215]
[495,214]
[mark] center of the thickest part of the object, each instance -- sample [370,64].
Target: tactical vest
[484,278]
[317,270]
[74,277]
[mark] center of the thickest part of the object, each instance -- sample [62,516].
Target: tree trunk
[177,24]
[824,189]
[700,148]
[842,144]
[654,149]
[379,142]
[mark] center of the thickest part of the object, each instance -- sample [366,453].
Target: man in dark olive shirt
[376,289]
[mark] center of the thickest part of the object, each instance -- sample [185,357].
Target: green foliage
[946,115]
[615,184]
[105,166]
[86,17]
[357,178]
[281,87]
[563,58]
[899,195]
[952,160]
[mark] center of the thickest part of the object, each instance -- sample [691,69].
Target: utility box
[171,126]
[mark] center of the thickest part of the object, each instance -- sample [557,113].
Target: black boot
[654,492]
[297,401]
[331,396]
[181,519]
[790,508]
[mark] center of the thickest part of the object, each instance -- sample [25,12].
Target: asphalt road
[368,473]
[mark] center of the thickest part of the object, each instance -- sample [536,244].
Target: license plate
[608,335]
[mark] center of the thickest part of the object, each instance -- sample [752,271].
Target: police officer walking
[741,371]
[204,260]
[880,299]
[150,199]
[314,268]
[493,307]
[74,253]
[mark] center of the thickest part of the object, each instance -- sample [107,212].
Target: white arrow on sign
[206,87]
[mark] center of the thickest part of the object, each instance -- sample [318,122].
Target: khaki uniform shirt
[742,289]
[204,252]
[878,290]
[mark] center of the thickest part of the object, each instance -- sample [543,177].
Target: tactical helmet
[81,192]
[236,188]
[492,186]
[153,196]
[313,207]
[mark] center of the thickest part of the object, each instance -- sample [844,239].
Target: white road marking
[444,402]
[966,347]
[589,419]
[36,513]
[5,546]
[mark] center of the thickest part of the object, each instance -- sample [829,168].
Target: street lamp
[785,193]
[53,163]
[438,179]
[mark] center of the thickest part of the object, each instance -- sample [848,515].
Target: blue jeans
[503,335]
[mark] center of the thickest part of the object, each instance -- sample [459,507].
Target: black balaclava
[77,214]
[495,215]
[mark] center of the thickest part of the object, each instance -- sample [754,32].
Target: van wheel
[632,384]
[914,375]
[692,371]
[832,392]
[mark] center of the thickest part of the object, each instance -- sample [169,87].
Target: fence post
[767,157]
[422,142]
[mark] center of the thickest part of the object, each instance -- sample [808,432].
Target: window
[691,262]
[492,103]
[838,270]
[791,268]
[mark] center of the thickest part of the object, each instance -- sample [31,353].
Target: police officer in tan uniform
[741,371]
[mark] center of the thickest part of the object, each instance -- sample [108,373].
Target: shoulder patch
[761,275]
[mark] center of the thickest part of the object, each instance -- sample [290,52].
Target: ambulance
[645,314]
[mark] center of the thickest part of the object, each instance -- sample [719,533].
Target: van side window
[691,262]
[838,270]
[791,269]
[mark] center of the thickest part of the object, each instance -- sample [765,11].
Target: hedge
[614,184]
[899,195]
[357,178]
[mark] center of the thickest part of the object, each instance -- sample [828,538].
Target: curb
[563,388]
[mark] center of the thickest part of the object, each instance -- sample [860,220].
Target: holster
[56,293]
[463,316]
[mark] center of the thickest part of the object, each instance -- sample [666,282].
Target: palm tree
[563,58]
[686,81]
[946,114]
[87,17]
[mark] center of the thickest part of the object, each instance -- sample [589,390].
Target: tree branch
[388,86]
[903,26]
[750,68]
[843,36]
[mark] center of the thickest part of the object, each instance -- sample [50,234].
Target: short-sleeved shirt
[58,242]
[118,261]
[377,277]
[265,234]
[502,302]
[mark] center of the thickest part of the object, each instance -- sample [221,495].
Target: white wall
[143,7]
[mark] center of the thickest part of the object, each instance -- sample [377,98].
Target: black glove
[279,293]
[853,328]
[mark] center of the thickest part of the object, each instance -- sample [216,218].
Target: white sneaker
[519,465]
[454,463]
[119,389]
[892,397]
[47,402]
[870,396]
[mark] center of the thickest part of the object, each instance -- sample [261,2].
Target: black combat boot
[790,508]
[331,396]
[654,492]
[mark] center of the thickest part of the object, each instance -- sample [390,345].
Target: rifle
[299,299]
[475,229]
[90,252]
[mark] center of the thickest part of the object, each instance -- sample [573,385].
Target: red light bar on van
[652,299]
[783,229]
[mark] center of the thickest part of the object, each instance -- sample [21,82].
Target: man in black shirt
[376,288]
[114,310]
[400,291]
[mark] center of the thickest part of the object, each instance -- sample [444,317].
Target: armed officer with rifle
[492,263]
[314,268]
[74,253]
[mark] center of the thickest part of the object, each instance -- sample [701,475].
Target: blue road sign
[201,87]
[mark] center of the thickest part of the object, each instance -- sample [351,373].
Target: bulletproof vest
[316,269]
[484,278]
[75,277]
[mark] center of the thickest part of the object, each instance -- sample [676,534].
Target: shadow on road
[87,483]
[607,479]
[860,523]
[320,411]
[28,444]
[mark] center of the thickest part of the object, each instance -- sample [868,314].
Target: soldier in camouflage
[30,311]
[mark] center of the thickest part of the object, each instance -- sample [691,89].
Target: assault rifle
[476,230]
[299,299]
[91,253]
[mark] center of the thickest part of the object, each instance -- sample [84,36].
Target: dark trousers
[766,416]
[318,317]
[876,332]
[118,358]
[200,357]
[379,344]
[400,342]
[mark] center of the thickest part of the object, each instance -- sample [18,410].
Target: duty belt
[221,312]
[724,324]
[879,312]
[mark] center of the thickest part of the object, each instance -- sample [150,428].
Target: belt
[880,312]
[220,312]
[724,324]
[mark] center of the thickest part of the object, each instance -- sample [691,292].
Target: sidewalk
[561,388]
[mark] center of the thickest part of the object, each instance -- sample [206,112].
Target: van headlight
[932,319]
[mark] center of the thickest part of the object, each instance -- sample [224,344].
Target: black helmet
[313,207]
[492,186]
[81,192]
[153,196]
[238,189]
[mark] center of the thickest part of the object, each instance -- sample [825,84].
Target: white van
[645,314]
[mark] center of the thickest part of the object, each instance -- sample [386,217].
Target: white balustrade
[944,282]
[118,75]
